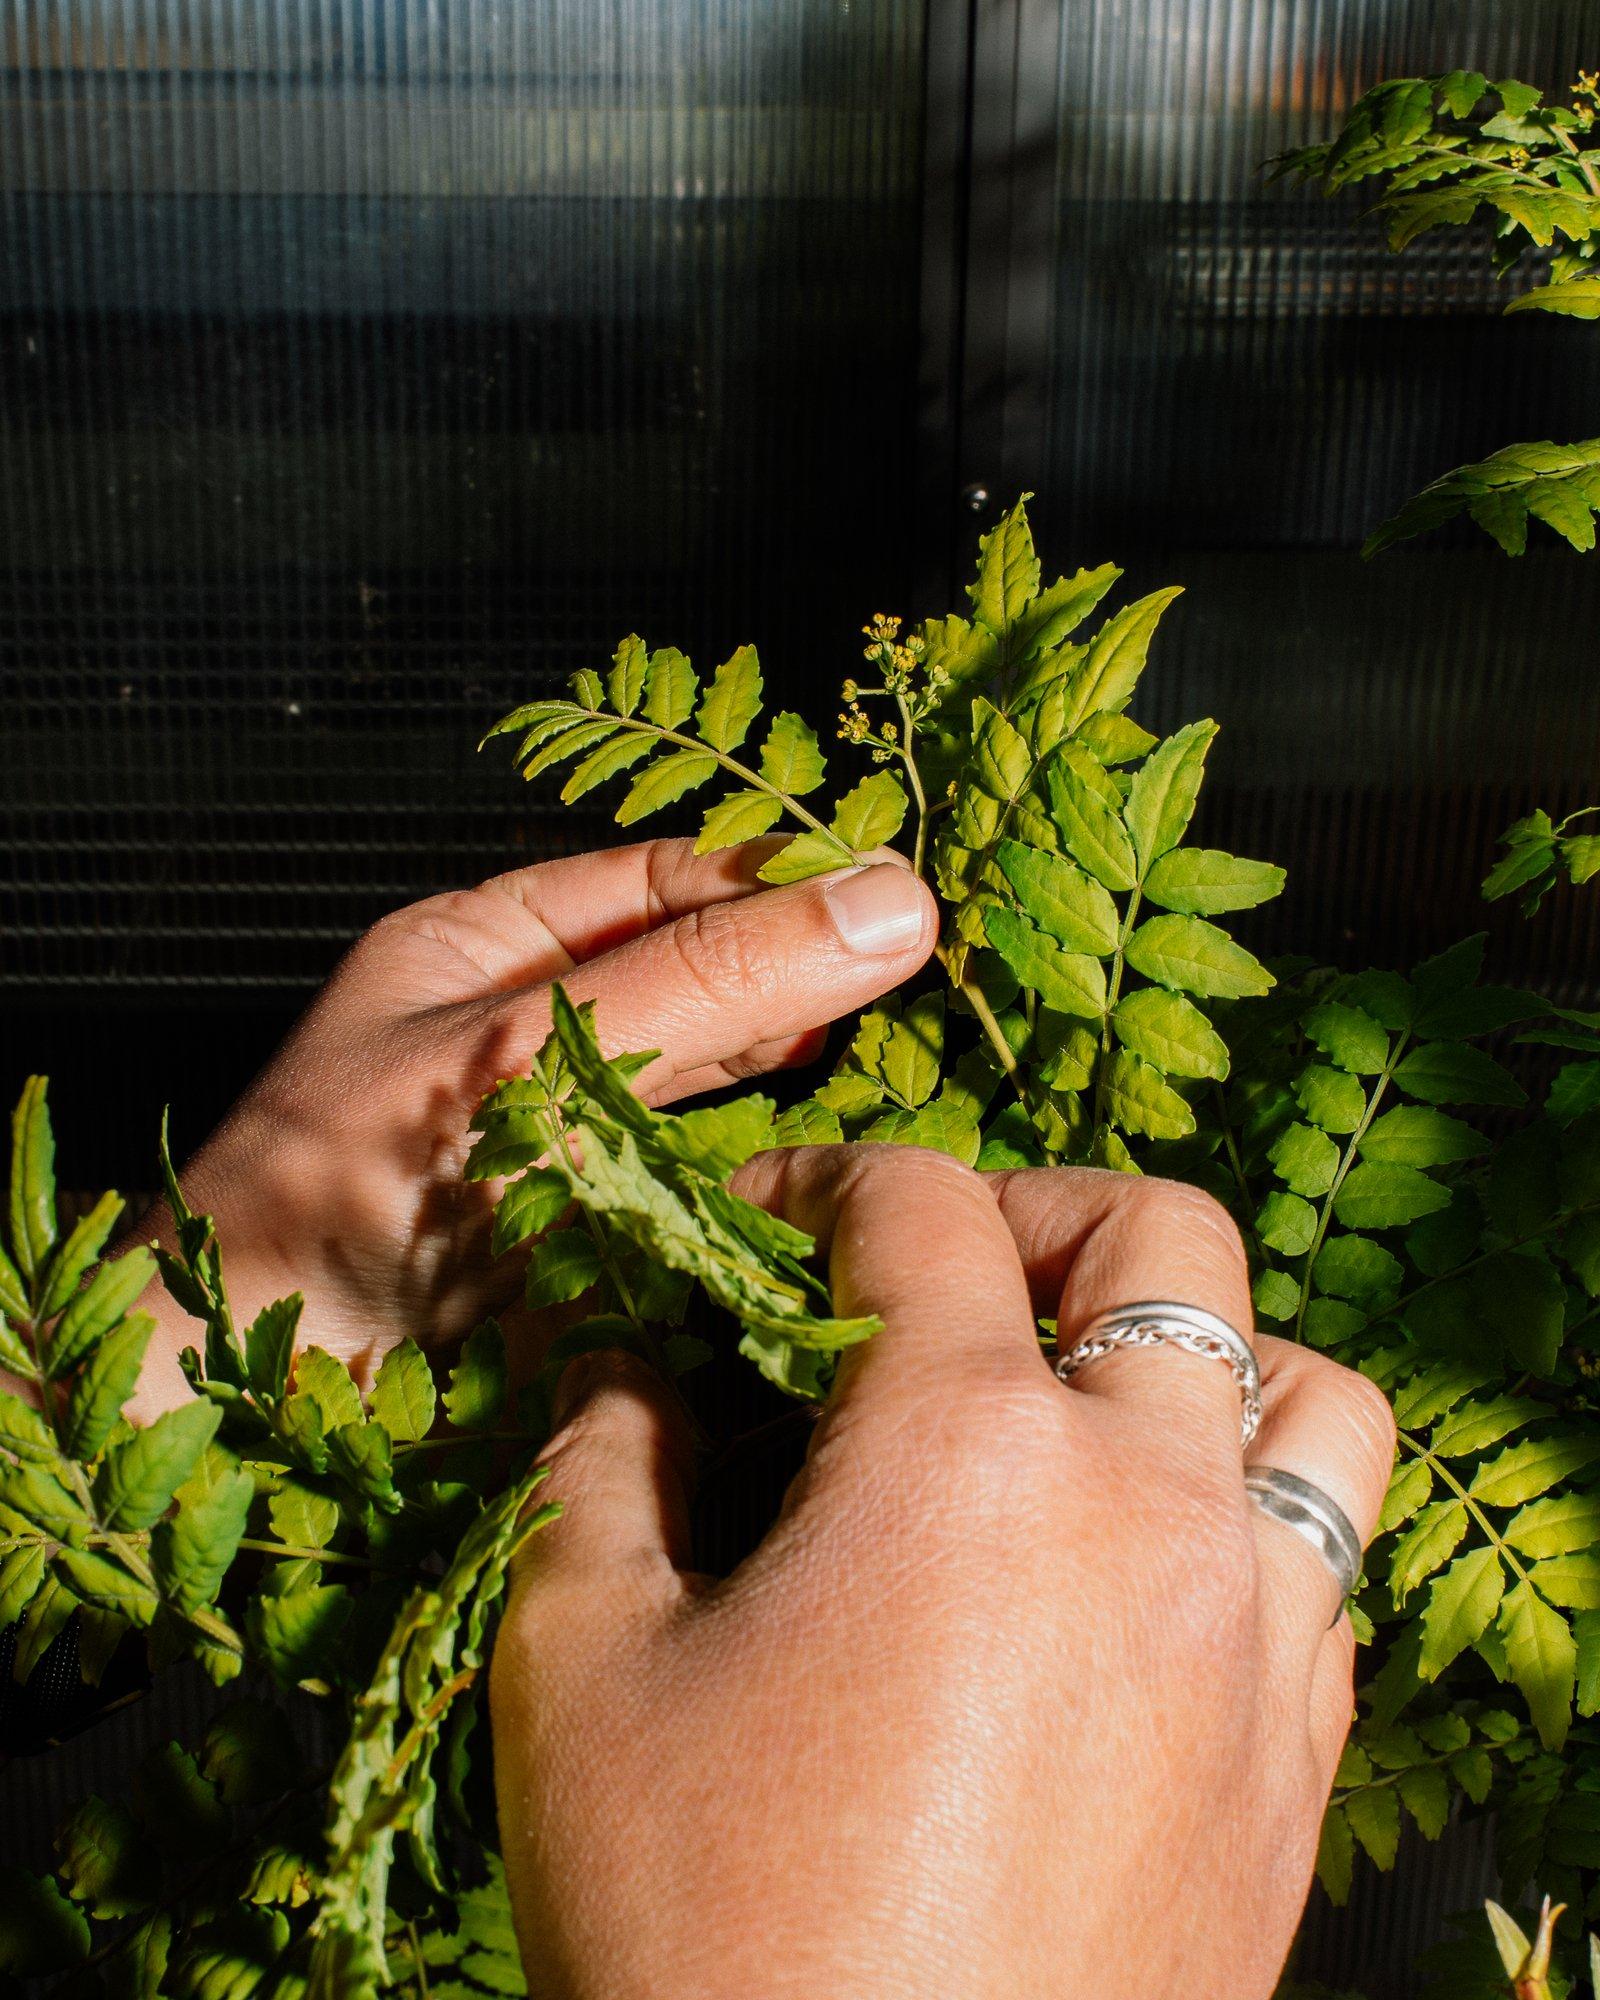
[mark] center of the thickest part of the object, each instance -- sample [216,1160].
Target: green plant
[1445,149]
[1405,1205]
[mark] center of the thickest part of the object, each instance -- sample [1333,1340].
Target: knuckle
[1365,1411]
[718,948]
[1190,1211]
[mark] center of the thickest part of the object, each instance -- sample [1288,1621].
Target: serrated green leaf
[1542,1657]
[1410,1485]
[669,688]
[1416,1135]
[1115,660]
[1354,1267]
[476,1397]
[1071,983]
[532,1203]
[105,1861]
[77,1252]
[1205,882]
[806,855]
[1559,1526]
[40,1931]
[22,1571]
[732,701]
[809,1123]
[1460,1605]
[1170,1032]
[1276,1296]
[34,1492]
[1425,1794]
[138,1477]
[739,817]
[95,1310]
[791,759]
[24,1432]
[403,1396]
[33,1180]
[296,1635]
[269,1346]
[1286,1223]
[1574,1091]
[1138,1100]
[1572,1582]
[104,1583]
[940,1128]
[1093,832]
[1374,1817]
[665,780]
[625,682]
[1336,1856]
[561,1267]
[195,1549]
[617,754]
[1429,1542]
[325,1397]
[1305,1160]
[1380,1195]
[104,1385]
[1452,1073]
[1000,761]
[1331,1098]
[580,735]
[1348,1037]
[1192,956]
[870,813]
[1473,1427]
[1008,571]
[1161,799]
[1523,1471]
[1060,898]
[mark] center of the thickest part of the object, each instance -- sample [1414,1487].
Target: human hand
[1020,1696]
[338,1173]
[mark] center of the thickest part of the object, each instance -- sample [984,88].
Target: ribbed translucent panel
[1242,381]
[366,364]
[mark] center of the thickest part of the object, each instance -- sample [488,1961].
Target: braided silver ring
[1165,1323]
[1316,1517]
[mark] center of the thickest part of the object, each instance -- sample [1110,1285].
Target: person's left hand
[338,1174]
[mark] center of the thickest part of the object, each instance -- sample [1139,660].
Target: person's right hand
[1020,1697]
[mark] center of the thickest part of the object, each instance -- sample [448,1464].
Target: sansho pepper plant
[1413,1159]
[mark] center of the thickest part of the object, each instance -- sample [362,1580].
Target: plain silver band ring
[1316,1517]
[1167,1323]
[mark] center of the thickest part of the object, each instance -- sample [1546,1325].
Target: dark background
[367,366]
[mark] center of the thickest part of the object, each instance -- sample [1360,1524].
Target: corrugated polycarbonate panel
[1232,381]
[367,364]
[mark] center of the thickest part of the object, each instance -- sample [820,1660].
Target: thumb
[621,1465]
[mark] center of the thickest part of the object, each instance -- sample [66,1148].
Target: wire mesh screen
[365,366]
[1226,383]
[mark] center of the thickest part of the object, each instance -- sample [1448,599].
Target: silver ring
[1165,1323]
[1316,1517]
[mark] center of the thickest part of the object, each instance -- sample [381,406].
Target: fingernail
[877,910]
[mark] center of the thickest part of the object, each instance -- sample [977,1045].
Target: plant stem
[1396,1050]
[731,765]
[1443,1472]
[908,757]
[1113,991]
